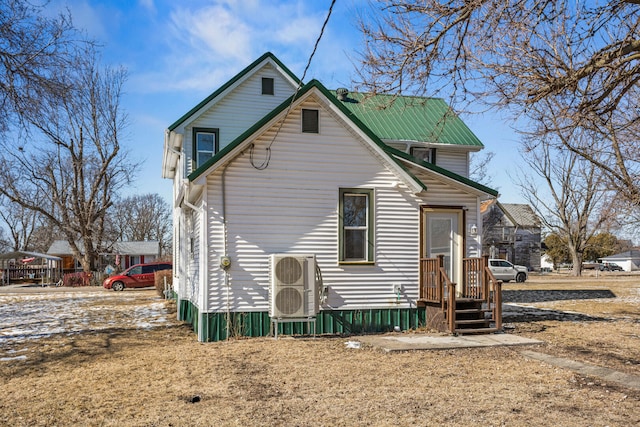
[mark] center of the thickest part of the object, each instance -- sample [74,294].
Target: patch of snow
[8,359]
[33,316]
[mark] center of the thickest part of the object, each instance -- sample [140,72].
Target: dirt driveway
[95,357]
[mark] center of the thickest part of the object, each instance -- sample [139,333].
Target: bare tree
[33,44]
[581,58]
[143,217]
[68,163]
[572,201]
[5,245]
[479,167]
[20,222]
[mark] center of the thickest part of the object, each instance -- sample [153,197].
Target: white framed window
[423,153]
[205,145]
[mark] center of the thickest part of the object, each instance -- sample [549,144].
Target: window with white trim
[423,153]
[205,145]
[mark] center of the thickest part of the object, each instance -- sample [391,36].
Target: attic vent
[342,93]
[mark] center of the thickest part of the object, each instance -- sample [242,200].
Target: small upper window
[267,86]
[425,154]
[310,121]
[205,145]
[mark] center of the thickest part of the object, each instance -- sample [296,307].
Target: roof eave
[244,140]
[472,186]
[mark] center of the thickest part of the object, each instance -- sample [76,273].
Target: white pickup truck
[505,271]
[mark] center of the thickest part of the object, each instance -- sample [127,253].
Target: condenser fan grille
[288,270]
[288,300]
[292,291]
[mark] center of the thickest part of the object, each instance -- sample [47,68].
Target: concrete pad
[606,374]
[407,342]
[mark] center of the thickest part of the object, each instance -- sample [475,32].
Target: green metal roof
[393,153]
[435,168]
[408,118]
[231,82]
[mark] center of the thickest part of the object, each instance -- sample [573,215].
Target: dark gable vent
[310,121]
[267,86]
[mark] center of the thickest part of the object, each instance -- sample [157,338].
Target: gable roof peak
[249,69]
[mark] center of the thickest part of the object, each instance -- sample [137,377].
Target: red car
[136,276]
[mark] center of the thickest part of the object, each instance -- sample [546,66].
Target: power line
[265,163]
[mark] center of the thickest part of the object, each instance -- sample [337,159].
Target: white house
[629,260]
[267,169]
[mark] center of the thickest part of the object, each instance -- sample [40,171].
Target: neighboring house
[512,232]
[546,264]
[363,186]
[121,255]
[23,266]
[629,260]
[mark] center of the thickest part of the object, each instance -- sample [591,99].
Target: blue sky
[178,52]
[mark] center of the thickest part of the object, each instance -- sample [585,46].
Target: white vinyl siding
[453,160]
[292,206]
[238,110]
[192,240]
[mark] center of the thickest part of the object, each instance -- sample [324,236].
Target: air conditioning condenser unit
[293,290]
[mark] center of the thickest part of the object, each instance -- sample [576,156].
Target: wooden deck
[474,306]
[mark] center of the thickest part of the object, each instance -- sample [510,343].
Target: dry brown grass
[163,376]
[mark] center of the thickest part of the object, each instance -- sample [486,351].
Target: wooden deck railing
[478,283]
[430,280]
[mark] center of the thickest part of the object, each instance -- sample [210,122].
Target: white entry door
[442,237]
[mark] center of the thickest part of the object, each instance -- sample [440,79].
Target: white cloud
[84,15]
[148,4]
[213,32]
[209,44]
[303,30]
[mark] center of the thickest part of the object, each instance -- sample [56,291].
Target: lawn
[109,359]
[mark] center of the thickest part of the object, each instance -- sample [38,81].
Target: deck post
[486,281]
[440,282]
[497,301]
[451,307]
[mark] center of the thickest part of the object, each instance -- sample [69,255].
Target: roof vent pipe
[342,93]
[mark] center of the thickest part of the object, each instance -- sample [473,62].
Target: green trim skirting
[258,324]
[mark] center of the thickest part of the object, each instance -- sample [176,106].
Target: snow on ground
[29,316]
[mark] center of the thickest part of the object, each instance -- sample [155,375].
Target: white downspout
[225,247]
[200,211]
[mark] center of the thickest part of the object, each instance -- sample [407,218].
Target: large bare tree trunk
[70,162]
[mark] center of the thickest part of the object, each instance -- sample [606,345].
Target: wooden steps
[471,317]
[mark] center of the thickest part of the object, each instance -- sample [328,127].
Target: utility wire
[265,163]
